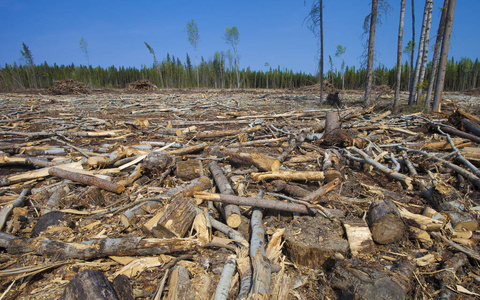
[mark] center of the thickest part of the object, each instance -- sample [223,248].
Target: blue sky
[270,31]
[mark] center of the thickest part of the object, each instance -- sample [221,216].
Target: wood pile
[67,87]
[141,85]
[195,195]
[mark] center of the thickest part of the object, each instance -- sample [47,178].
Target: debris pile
[67,87]
[196,195]
[141,85]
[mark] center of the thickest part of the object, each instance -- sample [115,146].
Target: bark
[440,80]
[89,284]
[177,283]
[385,222]
[396,100]
[221,293]
[216,134]
[230,212]
[262,162]
[93,249]
[261,264]
[264,203]
[438,43]
[90,180]
[7,209]
[371,42]
[412,53]
[189,169]
[290,175]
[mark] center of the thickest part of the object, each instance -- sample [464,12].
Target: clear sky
[270,31]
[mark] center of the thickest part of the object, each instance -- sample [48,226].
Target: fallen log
[290,175]
[223,286]
[263,203]
[89,180]
[215,134]
[231,212]
[359,237]
[262,162]
[260,263]
[385,222]
[98,248]
[7,209]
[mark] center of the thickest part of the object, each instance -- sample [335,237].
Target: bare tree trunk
[423,66]
[399,58]
[438,43]
[371,43]
[321,50]
[410,82]
[444,56]
[413,86]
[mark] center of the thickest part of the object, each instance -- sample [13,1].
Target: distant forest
[461,75]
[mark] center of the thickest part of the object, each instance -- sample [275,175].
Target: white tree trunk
[438,43]
[413,86]
[399,58]
[423,66]
[444,56]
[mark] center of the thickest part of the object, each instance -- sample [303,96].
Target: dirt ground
[140,118]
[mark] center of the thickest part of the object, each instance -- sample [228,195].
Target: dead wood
[89,284]
[263,203]
[215,134]
[262,162]
[95,248]
[385,222]
[290,175]
[230,211]
[90,180]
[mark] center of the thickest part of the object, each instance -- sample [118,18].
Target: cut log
[90,180]
[262,162]
[231,212]
[462,221]
[385,222]
[131,245]
[420,221]
[223,286]
[359,237]
[420,235]
[290,175]
[189,169]
[89,284]
[174,221]
[177,283]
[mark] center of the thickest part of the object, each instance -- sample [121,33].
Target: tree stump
[189,169]
[310,241]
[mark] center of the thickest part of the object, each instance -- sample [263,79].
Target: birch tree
[371,43]
[193,38]
[444,56]
[340,53]
[399,57]
[426,44]
[421,44]
[412,49]
[231,37]
[438,43]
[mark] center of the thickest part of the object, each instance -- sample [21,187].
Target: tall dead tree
[412,52]
[444,56]
[371,43]
[399,57]
[421,44]
[438,43]
[423,65]
[315,24]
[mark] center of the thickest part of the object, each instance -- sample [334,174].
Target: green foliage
[27,56]
[192,32]
[231,36]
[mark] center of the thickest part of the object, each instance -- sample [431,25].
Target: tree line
[169,73]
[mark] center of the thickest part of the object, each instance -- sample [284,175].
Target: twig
[459,247]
